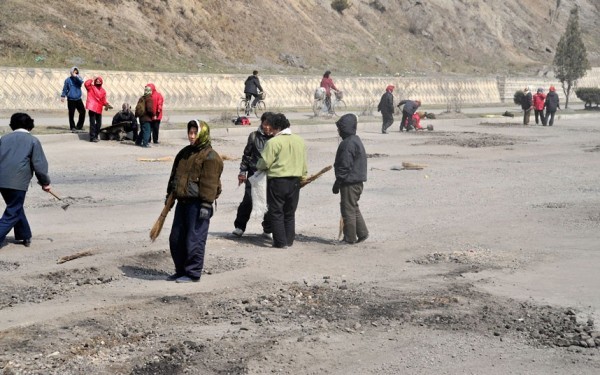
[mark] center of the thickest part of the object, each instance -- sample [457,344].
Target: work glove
[336,188]
[241,178]
[205,211]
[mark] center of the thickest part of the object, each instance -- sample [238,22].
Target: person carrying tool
[21,155]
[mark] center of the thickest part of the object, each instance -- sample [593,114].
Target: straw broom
[157,227]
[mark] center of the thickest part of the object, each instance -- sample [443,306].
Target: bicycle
[245,106]
[320,104]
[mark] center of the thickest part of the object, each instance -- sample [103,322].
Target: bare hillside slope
[372,37]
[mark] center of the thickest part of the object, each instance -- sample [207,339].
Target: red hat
[552,88]
[390,88]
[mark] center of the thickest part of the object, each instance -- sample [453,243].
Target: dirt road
[484,262]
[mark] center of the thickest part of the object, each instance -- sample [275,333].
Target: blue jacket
[72,87]
[21,155]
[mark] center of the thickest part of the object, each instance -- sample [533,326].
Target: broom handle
[54,195]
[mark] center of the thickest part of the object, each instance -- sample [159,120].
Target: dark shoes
[173,277]
[187,279]
[362,239]
[27,242]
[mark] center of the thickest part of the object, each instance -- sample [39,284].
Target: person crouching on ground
[409,109]
[126,117]
[256,143]
[350,168]
[284,159]
[21,155]
[195,182]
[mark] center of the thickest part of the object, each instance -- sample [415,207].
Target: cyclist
[328,85]
[252,88]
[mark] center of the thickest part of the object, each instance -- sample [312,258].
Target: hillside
[372,37]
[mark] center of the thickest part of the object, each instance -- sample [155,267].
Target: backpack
[140,108]
[242,120]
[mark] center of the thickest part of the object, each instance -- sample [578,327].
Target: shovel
[64,206]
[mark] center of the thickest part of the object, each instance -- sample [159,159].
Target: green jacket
[284,155]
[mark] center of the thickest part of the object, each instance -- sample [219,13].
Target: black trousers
[73,105]
[539,116]
[95,124]
[283,194]
[256,98]
[550,115]
[154,125]
[245,210]
[388,120]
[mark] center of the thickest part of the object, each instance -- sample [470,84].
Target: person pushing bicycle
[252,88]
[328,85]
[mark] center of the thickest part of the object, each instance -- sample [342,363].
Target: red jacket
[96,95]
[539,99]
[157,100]
[327,84]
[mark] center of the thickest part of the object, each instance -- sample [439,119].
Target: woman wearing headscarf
[195,182]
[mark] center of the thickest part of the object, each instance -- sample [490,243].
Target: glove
[241,178]
[336,188]
[205,211]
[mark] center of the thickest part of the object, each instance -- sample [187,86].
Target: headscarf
[147,90]
[203,137]
[126,107]
[552,88]
[390,88]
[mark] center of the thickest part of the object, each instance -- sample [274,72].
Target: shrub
[341,5]
[518,97]
[589,95]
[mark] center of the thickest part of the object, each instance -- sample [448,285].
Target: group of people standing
[149,109]
[539,102]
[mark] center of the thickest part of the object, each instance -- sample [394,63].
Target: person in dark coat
[127,118]
[350,173]
[386,107]
[409,109]
[256,143]
[526,105]
[21,156]
[144,110]
[552,104]
[252,88]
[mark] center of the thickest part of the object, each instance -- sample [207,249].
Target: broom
[314,176]
[157,227]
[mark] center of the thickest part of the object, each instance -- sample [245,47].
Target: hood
[151,85]
[98,81]
[73,69]
[347,125]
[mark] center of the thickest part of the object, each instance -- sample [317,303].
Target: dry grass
[294,37]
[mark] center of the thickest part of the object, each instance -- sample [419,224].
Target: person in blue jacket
[21,155]
[72,92]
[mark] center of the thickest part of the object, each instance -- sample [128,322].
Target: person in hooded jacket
[409,109]
[256,143]
[252,88]
[21,156]
[539,101]
[195,182]
[72,92]
[350,168]
[386,107]
[552,104]
[95,102]
[157,109]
